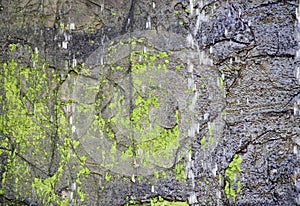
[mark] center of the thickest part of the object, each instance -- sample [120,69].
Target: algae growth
[129,108]
[144,138]
[232,173]
[34,131]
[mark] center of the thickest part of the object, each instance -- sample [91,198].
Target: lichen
[232,173]
[179,171]
[202,142]
[33,123]
[159,201]
[142,140]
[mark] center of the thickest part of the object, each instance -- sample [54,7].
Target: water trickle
[191,7]
[101,60]
[218,195]
[205,116]
[297,69]
[298,14]
[74,62]
[73,129]
[297,103]
[297,72]
[72,26]
[201,17]
[148,23]
[153,4]
[192,177]
[128,21]
[297,107]
[206,66]
[214,170]
[295,149]
[192,198]
[102,7]
[240,12]
[73,187]
[190,40]
[226,32]
[64,45]
[71,195]
[297,54]
[229,14]
[152,189]
[249,23]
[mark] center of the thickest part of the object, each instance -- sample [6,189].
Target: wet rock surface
[236,75]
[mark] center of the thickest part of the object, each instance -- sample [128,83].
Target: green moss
[202,142]
[179,171]
[163,55]
[232,173]
[12,47]
[113,151]
[164,174]
[156,174]
[220,83]
[139,115]
[223,113]
[220,178]
[148,143]
[159,201]
[107,176]
[32,116]
[62,25]
[113,13]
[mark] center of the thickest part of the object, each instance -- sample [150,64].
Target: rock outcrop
[148,102]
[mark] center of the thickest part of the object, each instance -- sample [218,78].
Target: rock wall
[149,102]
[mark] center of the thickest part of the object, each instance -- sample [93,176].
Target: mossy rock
[135,112]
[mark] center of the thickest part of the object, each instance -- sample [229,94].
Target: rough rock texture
[222,126]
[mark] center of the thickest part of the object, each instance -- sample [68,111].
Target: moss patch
[232,173]
[35,131]
[127,119]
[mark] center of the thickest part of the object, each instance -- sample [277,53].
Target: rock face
[149,102]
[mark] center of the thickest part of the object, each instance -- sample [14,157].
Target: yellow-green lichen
[179,171]
[232,174]
[159,201]
[202,142]
[143,139]
[32,117]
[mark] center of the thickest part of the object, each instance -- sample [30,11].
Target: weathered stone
[228,68]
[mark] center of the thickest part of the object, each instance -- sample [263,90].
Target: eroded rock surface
[193,101]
